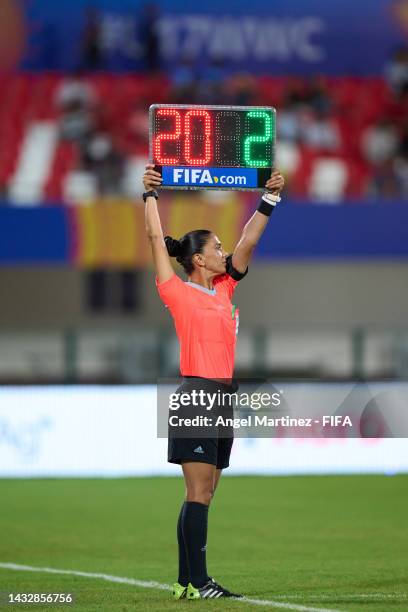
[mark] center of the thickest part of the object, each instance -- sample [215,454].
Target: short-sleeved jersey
[206,324]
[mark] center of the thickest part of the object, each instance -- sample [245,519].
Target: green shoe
[192,592]
[179,591]
[210,590]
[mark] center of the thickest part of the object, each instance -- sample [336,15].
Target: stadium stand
[49,123]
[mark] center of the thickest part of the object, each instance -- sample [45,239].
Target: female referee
[206,324]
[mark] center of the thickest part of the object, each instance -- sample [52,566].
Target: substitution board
[212,147]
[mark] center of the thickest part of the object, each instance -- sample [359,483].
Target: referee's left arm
[255,227]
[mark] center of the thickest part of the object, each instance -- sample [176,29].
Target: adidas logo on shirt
[199,449]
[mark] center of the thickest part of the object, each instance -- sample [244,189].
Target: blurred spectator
[319,132]
[380,142]
[396,72]
[212,81]
[76,99]
[241,89]
[75,90]
[398,108]
[138,129]
[383,182]
[304,116]
[401,174]
[289,125]
[107,165]
[184,81]
[91,48]
[380,145]
[76,124]
[149,38]
[295,94]
[403,144]
[401,163]
[317,95]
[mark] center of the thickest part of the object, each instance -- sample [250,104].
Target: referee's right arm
[161,259]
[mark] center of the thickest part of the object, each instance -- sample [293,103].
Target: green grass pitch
[330,542]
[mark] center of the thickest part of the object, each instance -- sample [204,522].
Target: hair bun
[173,246]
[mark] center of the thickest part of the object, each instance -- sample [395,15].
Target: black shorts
[214,449]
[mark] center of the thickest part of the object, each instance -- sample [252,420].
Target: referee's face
[215,256]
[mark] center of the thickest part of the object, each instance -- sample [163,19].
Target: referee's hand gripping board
[151,178]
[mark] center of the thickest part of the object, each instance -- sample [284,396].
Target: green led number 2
[257,138]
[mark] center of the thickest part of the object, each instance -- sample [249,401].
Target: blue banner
[362,230]
[34,236]
[55,235]
[277,38]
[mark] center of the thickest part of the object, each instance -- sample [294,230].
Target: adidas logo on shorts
[199,449]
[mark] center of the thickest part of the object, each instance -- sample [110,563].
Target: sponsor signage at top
[212,147]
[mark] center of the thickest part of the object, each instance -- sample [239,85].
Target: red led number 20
[176,134]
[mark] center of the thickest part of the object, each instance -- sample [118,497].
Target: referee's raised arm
[254,228]
[161,259]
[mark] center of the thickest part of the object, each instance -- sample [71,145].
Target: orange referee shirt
[206,324]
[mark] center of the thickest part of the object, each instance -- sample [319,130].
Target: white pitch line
[155,585]
[322,596]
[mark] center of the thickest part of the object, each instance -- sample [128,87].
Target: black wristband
[265,208]
[151,192]
[232,272]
